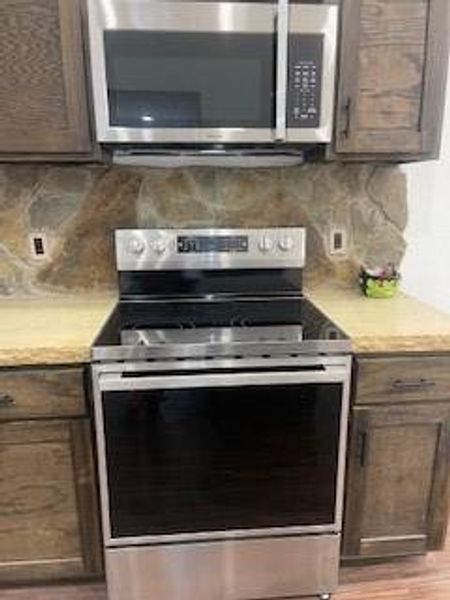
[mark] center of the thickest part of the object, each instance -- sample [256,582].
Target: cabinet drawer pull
[405,386]
[6,400]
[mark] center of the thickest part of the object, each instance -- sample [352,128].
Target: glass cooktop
[217,321]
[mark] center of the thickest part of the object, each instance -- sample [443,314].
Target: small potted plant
[381,282]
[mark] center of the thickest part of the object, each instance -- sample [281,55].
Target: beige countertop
[400,324]
[60,330]
[50,330]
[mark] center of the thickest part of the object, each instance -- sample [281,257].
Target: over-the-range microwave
[182,72]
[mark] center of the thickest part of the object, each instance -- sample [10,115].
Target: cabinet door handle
[363,448]
[405,386]
[6,400]
[348,118]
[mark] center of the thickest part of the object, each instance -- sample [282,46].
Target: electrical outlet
[38,246]
[338,241]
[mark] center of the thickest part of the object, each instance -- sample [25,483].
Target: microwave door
[174,72]
[311,73]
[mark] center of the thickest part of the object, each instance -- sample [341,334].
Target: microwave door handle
[282,41]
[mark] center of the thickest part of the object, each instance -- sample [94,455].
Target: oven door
[221,455]
[182,71]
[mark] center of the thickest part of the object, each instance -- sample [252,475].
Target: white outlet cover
[338,244]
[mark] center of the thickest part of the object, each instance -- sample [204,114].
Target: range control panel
[305,80]
[172,249]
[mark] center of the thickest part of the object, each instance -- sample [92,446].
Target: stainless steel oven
[212,72]
[221,403]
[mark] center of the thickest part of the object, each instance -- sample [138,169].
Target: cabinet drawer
[394,380]
[30,393]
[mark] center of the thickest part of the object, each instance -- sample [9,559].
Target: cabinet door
[48,512]
[393,69]
[397,482]
[42,85]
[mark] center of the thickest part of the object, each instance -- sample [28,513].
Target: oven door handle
[110,382]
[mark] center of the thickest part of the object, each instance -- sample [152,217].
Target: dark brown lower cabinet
[397,480]
[48,510]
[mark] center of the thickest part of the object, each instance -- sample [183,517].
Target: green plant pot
[379,288]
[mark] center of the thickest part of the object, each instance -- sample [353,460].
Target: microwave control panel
[305,80]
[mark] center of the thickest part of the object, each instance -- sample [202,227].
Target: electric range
[221,404]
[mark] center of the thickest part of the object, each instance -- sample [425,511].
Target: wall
[426,268]
[77,208]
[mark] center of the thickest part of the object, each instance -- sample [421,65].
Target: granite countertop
[60,329]
[50,330]
[400,324]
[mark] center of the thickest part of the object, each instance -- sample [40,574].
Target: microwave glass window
[185,80]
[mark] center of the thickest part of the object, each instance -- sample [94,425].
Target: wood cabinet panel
[48,512]
[403,379]
[397,487]
[31,393]
[393,68]
[42,88]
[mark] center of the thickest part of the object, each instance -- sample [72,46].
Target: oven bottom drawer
[230,570]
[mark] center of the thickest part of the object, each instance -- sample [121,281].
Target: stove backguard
[201,262]
[196,283]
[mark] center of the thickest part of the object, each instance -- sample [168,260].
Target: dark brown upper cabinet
[43,101]
[391,82]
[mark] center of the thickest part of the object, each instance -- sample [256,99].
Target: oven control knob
[136,247]
[265,244]
[159,246]
[286,244]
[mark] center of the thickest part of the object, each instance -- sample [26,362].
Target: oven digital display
[197,244]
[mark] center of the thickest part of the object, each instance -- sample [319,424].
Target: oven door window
[187,461]
[189,80]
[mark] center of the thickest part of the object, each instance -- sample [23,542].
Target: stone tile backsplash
[77,209]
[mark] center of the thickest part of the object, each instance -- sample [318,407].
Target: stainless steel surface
[167,351]
[211,536]
[222,135]
[282,19]
[154,15]
[313,18]
[199,364]
[168,15]
[232,159]
[109,377]
[214,17]
[227,570]
[115,382]
[171,259]
[212,335]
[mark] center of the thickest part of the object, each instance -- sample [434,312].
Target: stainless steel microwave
[212,72]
